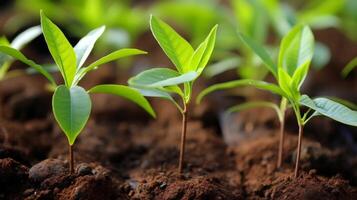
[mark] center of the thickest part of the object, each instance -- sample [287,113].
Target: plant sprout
[71,103]
[295,55]
[18,43]
[162,82]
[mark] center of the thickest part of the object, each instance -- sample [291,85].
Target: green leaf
[161,77]
[261,52]
[296,49]
[349,67]
[175,47]
[86,44]
[25,37]
[286,84]
[3,57]
[154,92]
[239,83]
[108,58]
[126,92]
[188,91]
[203,53]
[4,41]
[60,49]
[300,75]
[160,93]
[344,102]
[331,109]
[173,89]
[114,56]
[71,108]
[19,56]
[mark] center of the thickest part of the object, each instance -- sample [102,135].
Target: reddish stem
[281,144]
[297,162]
[71,160]
[183,139]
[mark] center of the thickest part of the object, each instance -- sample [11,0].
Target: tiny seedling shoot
[189,63]
[280,109]
[295,55]
[71,103]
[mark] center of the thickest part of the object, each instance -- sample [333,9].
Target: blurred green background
[266,21]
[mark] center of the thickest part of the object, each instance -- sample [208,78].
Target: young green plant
[17,43]
[295,55]
[71,103]
[280,110]
[189,63]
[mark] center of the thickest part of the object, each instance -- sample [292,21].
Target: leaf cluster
[189,63]
[295,55]
[71,103]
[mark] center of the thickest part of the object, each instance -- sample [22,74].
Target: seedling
[270,66]
[18,43]
[295,55]
[162,82]
[71,103]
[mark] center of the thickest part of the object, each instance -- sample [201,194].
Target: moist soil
[124,154]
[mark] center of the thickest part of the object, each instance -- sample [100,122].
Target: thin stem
[281,143]
[71,161]
[281,114]
[297,162]
[183,138]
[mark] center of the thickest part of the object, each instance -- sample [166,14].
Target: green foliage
[71,103]
[9,51]
[251,18]
[176,48]
[60,49]
[331,109]
[122,53]
[161,82]
[125,92]
[18,43]
[71,108]
[348,19]
[320,14]
[315,13]
[240,83]
[86,44]
[263,55]
[295,55]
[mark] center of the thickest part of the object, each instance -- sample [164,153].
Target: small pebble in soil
[83,169]
[133,184]
[47,168]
